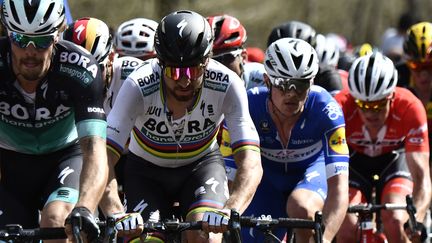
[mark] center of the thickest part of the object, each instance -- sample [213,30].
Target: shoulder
[147,76]
[124,66]
[321,101]
[218,73]
[127,62]
[73,61]
[253,74]
[404,97]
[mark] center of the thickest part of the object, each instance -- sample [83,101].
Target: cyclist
[303,149]
[228,49]
[135,38]
[93,34]
[173,107]
[53,124]
[387,135]
[328,55]
[416,72]
[327,77]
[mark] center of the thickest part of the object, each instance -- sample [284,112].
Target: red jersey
[406,125]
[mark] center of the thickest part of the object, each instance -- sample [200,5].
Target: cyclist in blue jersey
[302,138]
[52,127]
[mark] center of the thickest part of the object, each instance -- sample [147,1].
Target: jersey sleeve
[122,117]
[84,80]
[415,126]
[334,141]
[243,133]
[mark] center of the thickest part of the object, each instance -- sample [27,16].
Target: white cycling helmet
[37,17]
[135,37]
[327,50]
[372,77]
[291,58]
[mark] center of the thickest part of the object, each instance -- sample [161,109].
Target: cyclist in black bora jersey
[52,122]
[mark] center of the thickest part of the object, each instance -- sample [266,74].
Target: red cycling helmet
[229,33]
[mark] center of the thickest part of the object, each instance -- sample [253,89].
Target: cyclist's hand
[128,224]
[88,224]
[216,221]
[419,235]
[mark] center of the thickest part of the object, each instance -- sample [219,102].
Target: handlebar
[15,232]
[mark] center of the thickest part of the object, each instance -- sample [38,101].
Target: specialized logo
[181,27]
[64,173]
[337,142]
[214,183]
[79,30]
[140,206]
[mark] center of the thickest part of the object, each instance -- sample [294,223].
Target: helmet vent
[369,76]
[15,15]
[30,9]
[95,45]
[356,79]
[280,57]
[48,13]
[297,60]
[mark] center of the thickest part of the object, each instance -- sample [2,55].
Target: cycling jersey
[67,105]
[140,107]
[319,132]
[406,125]
[316,151]
[329,78]
[253,74]
[122,67]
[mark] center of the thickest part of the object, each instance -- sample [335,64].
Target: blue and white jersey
[319,133]
[253,74]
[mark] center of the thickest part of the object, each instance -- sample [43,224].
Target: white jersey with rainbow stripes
[140,108]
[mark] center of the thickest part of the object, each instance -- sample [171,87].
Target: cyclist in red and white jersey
[388,136]
[172,107]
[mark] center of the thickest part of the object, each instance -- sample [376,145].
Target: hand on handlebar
[128,224]
[420,233]
[81,220]
[216,221]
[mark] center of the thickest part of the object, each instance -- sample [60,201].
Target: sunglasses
[192,73]
[228,57]
[284,85]
[39,42]
[375,106]
[419,66]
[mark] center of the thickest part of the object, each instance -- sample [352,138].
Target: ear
[244,55]
[266,80]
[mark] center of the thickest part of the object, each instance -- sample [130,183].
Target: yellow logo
[337,141]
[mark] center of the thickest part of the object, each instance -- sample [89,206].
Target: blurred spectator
[393,38]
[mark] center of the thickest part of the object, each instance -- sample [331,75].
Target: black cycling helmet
[183,38]
[293,29]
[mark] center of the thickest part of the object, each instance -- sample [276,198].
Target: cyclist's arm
[418,164]
[245,147]
[111,202]
[248,176]
[335,205]
[94,172]
[120,122]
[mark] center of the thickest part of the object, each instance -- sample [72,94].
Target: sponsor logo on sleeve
[337,142]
